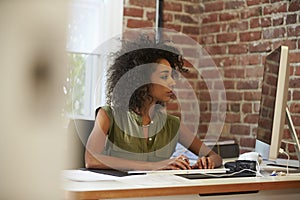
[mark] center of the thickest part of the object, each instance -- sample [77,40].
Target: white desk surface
[162,184]
[156,185]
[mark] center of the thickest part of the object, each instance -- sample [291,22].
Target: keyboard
[220,175]
[281,165]
[177,172]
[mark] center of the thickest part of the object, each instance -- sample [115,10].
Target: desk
[171,185]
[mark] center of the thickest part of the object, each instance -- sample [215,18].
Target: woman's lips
[171,94]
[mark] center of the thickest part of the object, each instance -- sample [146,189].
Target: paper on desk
[85,176]
[153,179]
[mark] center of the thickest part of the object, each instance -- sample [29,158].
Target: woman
[134,132]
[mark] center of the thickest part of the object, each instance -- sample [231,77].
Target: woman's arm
[207,158]
[96,143]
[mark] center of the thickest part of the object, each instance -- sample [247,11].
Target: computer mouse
[252,156]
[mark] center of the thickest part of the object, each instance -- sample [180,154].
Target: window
[91,23]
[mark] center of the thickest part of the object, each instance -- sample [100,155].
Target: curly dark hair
[129,89]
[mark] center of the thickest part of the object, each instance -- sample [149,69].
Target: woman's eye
[164,77]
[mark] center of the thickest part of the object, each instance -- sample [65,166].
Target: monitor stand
[293,133]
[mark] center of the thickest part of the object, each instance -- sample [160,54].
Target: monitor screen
[273,104]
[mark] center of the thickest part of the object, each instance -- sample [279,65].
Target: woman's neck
[146,113]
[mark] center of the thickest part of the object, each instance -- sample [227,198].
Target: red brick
[204,107]
[132,23]
[252,96]
[205,117]
[274,1]
[291,43]
[215,50]
[214,6]
[247,85]
[210,29]
[250,36]
[190,52]
[210,74]
[204,96]
[185,19]
[142,3]
[247,108]
[249,60]
[228,16]
[278,21]
[234,73]
[193,9]
[172,6]
[251,12]
[296,95]
[151,15]
[247,142]
[237,49]
[183,40]
[266,21]
[201,86]
[296,120]
[275,8]
[294,6]
[226,37]
[260,47]
[237,4]
[236,26]
[209,18]
[295,83]
[240,129]
[234,96]
[206,62]
[234,107]
[297,71]
[251,119]
[133,12]
[203,128]
[294,57]
[256,107]
[219,85]
[226,61]
[254,72]
[253,2]
[293,31]
[207,39]
[232,118]
[191,30]
[229,84]
[274,33]
[167,17]
[254,23]
[295,108]
[291,19]
[172,27]
[185,95]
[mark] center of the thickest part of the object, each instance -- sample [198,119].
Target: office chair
[78,133]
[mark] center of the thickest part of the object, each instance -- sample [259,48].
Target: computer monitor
[272,112]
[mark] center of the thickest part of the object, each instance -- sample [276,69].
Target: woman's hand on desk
[179,162]
[207,162]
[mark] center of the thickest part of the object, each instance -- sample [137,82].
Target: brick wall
[238,34]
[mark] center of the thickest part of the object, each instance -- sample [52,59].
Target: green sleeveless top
[126,138]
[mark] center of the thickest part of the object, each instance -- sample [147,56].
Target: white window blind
[91,23]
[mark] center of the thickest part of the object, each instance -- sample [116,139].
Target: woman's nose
[172,82]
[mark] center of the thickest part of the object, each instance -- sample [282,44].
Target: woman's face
[162,82]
